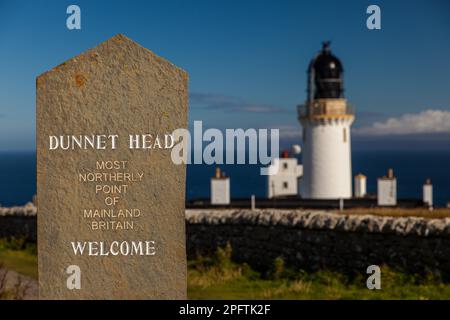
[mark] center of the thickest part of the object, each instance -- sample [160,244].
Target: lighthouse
[326,118]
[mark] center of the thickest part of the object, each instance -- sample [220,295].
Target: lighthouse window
[285,185]
[285,165]
[345,135]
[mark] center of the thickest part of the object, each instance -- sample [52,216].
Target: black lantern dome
[325,76]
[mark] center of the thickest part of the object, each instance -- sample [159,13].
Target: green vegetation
[218,277]
[18,255]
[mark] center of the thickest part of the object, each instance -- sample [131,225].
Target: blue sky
[247,60]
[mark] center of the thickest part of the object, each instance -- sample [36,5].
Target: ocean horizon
[412,168]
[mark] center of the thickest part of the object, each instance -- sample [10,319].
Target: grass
[218,277]
[20,262]
[18,255]
[321,285]
[438,213]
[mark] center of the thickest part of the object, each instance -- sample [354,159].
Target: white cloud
[428,121]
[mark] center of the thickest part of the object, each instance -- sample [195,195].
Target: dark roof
[326,72]
[326,65]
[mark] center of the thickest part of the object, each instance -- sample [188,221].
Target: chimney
[218,174]
[390,173]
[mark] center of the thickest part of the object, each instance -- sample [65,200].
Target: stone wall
[314,240]
[304,239]
[18,222]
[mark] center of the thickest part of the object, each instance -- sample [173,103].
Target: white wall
[285,181]
[360,186]
[428,194]
[220,191]
[327,166]
[387,192]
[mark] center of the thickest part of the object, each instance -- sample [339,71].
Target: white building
[220,189]
[387,190]
[428,193]
[326,119]
[360,185]
[284,176]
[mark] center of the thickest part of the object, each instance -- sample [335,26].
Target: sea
[412,168]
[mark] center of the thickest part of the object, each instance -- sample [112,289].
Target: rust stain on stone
[80,80]
[39,81]
[59,66]
[118,38]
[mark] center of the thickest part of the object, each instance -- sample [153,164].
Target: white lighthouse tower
[326,119]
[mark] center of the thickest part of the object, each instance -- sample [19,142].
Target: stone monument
[111,221]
